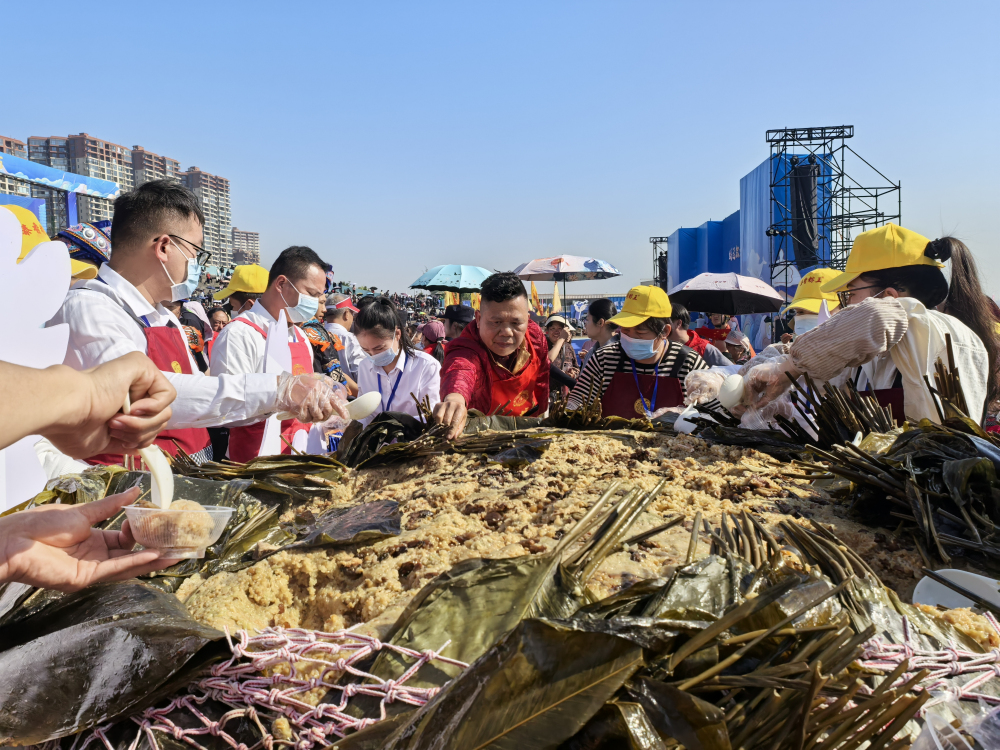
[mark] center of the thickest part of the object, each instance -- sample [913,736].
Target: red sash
[515,397]
[244,442]
[168,348]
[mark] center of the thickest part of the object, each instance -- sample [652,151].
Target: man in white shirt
[156,236]
[296,281]
[338,320]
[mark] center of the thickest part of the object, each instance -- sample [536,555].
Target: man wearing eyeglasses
[157,233]
[296,283]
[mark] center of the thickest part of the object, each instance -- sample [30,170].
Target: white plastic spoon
[159,469]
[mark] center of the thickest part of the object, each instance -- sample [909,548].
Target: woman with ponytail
[392,367]
[889,332]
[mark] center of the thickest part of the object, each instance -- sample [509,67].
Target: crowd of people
[199,381]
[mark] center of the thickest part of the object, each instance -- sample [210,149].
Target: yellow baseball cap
[251,278]
[32,235]
[642,303]
[809,294]
[890,246]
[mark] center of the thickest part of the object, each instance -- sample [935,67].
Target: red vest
[244,442]
[168,348]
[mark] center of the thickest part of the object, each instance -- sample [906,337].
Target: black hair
[438,352]
[967,302]
[382,318]
[603,309]
[294,262]
[501,287]
[143,213]
[366,300]
[215,310]
[243,297]
[681,313]
[656,326]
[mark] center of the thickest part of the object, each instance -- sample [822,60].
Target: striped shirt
[677,361]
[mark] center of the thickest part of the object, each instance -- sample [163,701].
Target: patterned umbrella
[727,293]
[452,278]
[566,268]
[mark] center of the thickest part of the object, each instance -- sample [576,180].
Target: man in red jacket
[499,365]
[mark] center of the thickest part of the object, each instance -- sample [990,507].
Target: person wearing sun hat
[809,297]
[888,335]
[643,372]
[245,286]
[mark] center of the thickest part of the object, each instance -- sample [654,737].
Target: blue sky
[393,136]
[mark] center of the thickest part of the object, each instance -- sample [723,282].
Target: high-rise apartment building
[147,166]
[52,152]
[9,184]
[213,193]
[246,247]
[13,147]
[102,159]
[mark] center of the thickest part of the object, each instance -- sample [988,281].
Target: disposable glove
[702,386]
[774,351]
[765,382]
[764,418]
[311,397]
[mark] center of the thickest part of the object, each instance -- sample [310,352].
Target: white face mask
[805,322]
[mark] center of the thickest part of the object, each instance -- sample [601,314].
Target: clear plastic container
[178,534]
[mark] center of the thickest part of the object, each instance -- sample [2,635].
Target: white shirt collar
[127,293]
[260,311]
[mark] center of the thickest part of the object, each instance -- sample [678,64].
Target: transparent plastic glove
[702,386]
[774,351]
[311,398]
[767,381]
[764,418]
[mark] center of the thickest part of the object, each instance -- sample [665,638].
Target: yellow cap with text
[890,246]
[642,303]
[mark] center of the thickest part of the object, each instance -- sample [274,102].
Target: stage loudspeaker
[662,272]
[805,229]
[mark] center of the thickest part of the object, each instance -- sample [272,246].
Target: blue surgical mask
[639,348]
[185,289]
[304,310]
[383,358]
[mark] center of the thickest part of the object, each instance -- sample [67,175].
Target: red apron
[244,442]
[515,397]
[168,348]
[624,396]
[894,397]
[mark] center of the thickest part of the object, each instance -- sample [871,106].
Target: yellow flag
[556,302]
[536,303]
[474,300]
[451,298]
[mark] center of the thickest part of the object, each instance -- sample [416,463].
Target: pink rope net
[254,684]
[947,663]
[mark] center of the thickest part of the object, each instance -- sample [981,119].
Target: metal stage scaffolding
[816,206]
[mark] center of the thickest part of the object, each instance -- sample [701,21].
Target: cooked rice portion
[456,507]
[968,622]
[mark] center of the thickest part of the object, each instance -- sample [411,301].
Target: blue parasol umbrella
[452,278]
